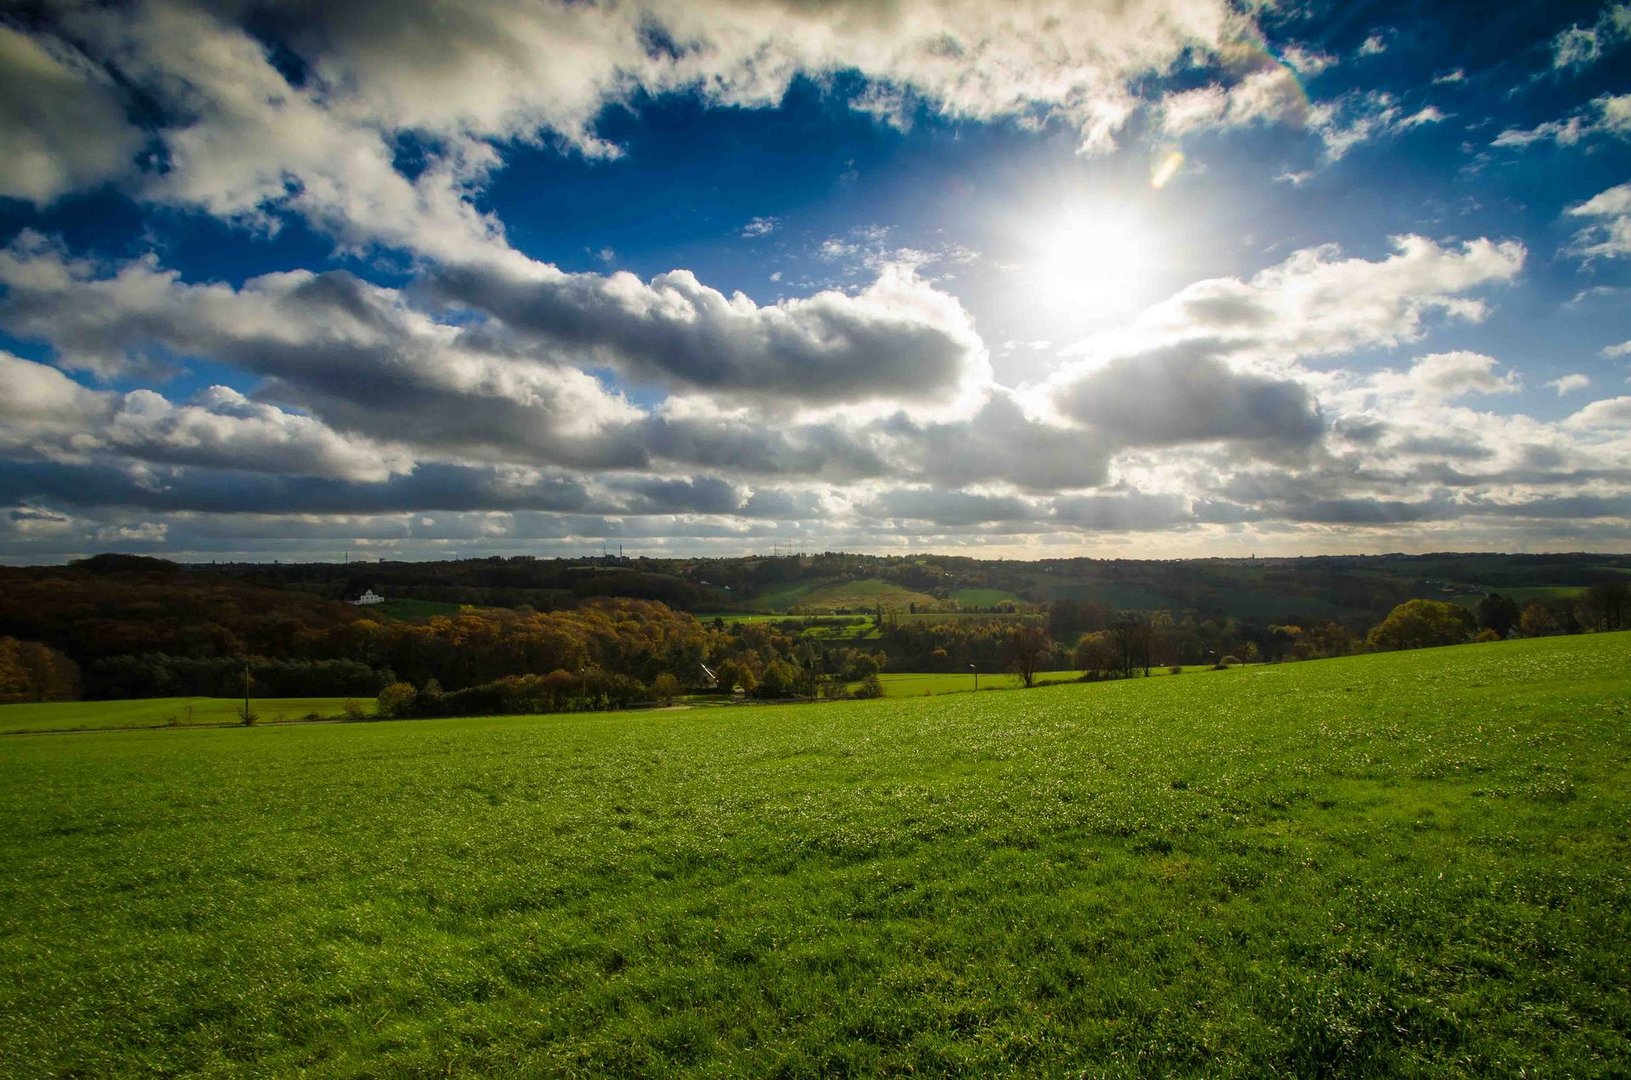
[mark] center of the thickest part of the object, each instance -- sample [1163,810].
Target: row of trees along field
[122,626]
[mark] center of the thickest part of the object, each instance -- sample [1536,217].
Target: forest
[119,626]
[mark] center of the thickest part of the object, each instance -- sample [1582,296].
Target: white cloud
[1307,62]
[1360,118]
[899,338]
[1273,93]
[1186,394]
[47,414]
[1569,383]
[1453,374]
[1373,46]
[760,226]
[1611,413]
[65,128]
[1610,236]
[1317,303]
[1581,46]
[1622,349]
[243,142]
[1612,117]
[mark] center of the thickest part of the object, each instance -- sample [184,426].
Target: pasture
[915,684]
[164,712]
[1409,864]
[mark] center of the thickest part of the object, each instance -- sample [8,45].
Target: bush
[395,700]
[1225,662]
[353,710]
[246,717]
[871,687]
[1175,669]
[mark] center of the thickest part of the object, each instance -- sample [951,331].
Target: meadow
[165,712]
[1405,864]
[914,684]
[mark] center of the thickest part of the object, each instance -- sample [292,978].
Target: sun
[1093,260]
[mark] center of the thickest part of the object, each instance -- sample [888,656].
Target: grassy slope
[158,712]
[913,684]
[865,593]
[411,610]
[1412,863]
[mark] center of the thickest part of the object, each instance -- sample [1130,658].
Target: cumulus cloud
[1609,234]
[1187,393]
[944,508]
[1570,383]
[1318,303]
[1613,413]
[47,414]
[899,337]
[316,134]
[1453,374]
[356,354]
[65,128]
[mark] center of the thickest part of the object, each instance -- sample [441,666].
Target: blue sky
[1170,278]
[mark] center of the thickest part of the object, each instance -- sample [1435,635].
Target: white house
[369,597]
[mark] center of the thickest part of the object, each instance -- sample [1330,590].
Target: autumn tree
[1422,624]
[1498,613]
[1025,650]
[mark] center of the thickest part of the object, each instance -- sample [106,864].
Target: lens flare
[1166,169]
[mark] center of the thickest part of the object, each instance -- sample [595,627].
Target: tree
[1498,613]
[1606,605]
[779,680]
[871,687]
[1025,650]
[1422,624]
[394,701]
[1536,620]
[666,687]
[1097,655]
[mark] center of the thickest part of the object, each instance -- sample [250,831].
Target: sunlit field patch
[1414,864]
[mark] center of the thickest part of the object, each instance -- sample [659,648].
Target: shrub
[353,709]
[395,700]
[1175,669]
[246,717]
[871,687]
[1225,662]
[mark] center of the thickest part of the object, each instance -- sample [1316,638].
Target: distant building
[369,597]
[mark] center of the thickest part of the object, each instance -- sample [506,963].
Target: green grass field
[161,712]
[1412,864]
[913,684]
[864,594]
[411,610]
[984,597]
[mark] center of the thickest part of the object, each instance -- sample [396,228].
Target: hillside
[1410,863]
[1355,590]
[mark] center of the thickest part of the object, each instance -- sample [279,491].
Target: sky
[318,279]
